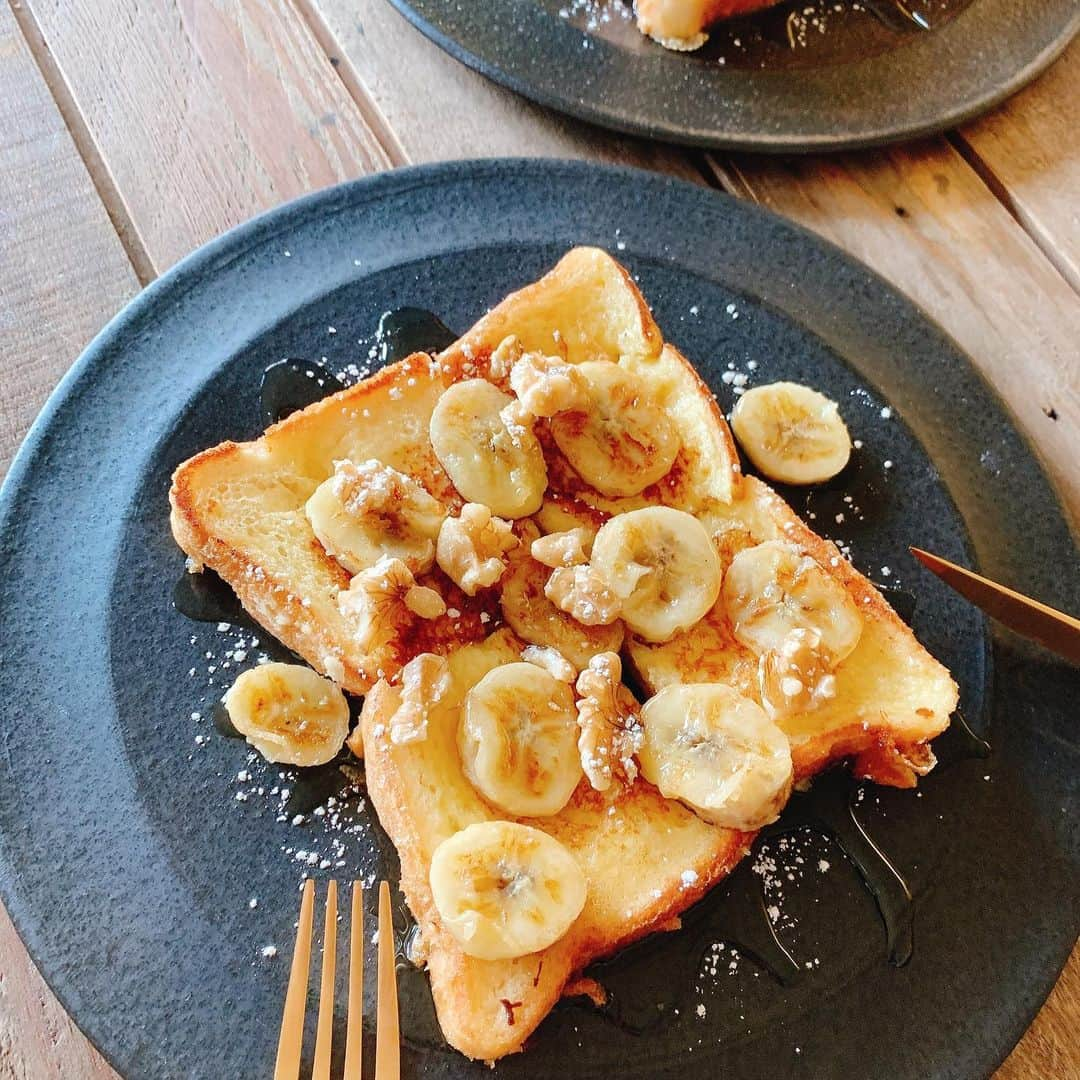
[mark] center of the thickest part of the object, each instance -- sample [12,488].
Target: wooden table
[131,131]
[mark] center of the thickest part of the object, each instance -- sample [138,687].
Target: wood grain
[38,1040]
[205,111]
[923,219]
[921,216]
[1050,1047]
[62,269]
[63,272]
[439,109]
[1027,153]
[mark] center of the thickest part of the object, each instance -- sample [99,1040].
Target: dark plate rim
[503,62]
[233,244]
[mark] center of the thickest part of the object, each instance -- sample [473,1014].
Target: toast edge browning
[270,601]
[877,753]
[723,440]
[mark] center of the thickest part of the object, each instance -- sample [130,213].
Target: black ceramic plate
[134,835]
[798,77]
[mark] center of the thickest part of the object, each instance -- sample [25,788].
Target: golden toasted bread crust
[893,697]
[205,520]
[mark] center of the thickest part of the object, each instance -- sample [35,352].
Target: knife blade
[1053,629]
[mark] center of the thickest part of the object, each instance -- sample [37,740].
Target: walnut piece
[381,603]
[611,731]
[518,422]
[583,594]
[471,547]
[546,385]
[503,358]
[562,548]
[795,677]
[425,602]
[425,682]
[551,660]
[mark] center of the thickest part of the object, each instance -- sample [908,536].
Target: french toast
[679,24]
[645,858]
[239,507]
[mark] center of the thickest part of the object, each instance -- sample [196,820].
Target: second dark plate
[794,78]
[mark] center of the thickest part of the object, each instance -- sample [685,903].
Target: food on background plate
[680,24]
[588,526]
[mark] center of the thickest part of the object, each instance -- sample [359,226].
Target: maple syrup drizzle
[959,743]
[291,385]
[408,330]
[829,807]
[204,597]
[893,12]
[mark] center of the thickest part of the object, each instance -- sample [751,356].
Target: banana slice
[663,565]
[367,510]
[791,433]
[488,448]
[716,751]
[535,619]
[505,890]
[773,589]
[518,740]
[289,714]
[618,439]
[561,513]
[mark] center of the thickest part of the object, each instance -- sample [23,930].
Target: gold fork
[291,1040]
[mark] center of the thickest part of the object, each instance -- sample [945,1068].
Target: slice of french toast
[239,508]
[645,859]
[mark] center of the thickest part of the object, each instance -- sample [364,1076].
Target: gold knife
[1053,629]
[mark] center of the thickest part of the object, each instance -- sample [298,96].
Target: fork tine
[387,1047]
[324,1036]
[354,1032]
[291,1040]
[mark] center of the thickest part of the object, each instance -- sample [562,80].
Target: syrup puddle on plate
[739,917]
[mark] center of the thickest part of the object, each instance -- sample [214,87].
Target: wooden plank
[38,1040]
[63,272]
[200,117]
[206,112]
[922,218]
[439,109]
[1022,151]
[1050,1047]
